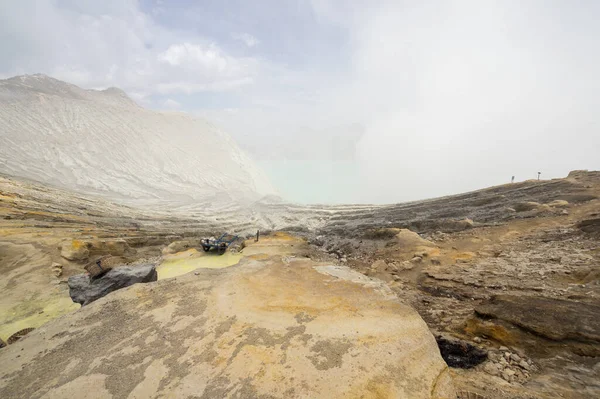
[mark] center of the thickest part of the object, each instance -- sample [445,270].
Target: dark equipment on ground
[220,244]
[98,267]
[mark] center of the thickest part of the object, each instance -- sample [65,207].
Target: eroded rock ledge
[277,327]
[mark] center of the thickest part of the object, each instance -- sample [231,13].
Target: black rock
[85,290]
[460,354]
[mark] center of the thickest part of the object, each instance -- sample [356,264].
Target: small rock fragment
[524,365]
[57,269]
[508,374]
[492,368]
[465,224]
[379,266]
[559,204]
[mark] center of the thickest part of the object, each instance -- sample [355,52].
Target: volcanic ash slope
[102,142]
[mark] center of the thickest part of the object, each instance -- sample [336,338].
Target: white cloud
[247,38]
[189,88]
[158,8]
[454,95]
[191,55]
[101,44]
[461,95]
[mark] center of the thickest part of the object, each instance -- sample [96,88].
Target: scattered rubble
[508,365]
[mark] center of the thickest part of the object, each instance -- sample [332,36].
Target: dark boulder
[591,226]
[85,290]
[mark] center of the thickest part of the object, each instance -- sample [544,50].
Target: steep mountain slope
[102,142]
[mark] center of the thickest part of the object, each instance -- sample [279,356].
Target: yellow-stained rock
[75,250]
[175,247]
[114,247]
[409,244]
[559,204]
[478,327]
[272,328]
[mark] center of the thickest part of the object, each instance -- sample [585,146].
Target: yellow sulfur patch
[187,261]
[34,314]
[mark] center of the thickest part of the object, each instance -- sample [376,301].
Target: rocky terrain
[512,270]
[262,328]
[506,279]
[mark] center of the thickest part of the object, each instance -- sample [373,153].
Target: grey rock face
[591,226]
[573,323]
[84,290]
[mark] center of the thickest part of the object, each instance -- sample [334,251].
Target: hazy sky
[452,95]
